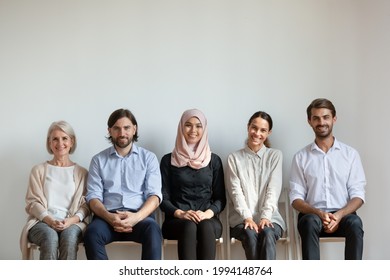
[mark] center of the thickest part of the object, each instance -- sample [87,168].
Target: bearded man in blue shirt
[123,191]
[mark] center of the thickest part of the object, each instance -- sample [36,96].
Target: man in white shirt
[327,185]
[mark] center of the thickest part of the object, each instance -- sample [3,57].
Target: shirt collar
[260,153]
[336,146]
[134,149]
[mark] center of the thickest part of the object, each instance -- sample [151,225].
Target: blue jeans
[99,233]
[310,229]
[258,246]
[56,245]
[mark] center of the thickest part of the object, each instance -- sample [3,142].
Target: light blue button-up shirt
[124,182]
[327,181]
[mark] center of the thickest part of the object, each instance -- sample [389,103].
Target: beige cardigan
[37,203]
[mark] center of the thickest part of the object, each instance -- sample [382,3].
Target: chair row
[290,242]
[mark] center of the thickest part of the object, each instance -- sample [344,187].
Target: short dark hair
[264,116]
[321,103]
[122,113]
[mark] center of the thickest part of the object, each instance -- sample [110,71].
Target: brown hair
[320,103]
[122,113]
[264,116]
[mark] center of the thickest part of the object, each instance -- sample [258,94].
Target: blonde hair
[64,127]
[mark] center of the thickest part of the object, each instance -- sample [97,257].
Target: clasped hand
[124,221]
[60,225]
[330,222]
[195,216]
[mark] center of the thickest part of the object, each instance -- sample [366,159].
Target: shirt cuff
[81,216]
[43,215]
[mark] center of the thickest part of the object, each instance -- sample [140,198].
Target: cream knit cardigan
[36,202]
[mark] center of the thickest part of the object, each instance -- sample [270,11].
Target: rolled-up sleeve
[94,184]
[297,181]
[357,179]
[153,183]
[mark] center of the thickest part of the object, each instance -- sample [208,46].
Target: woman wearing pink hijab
[193,190]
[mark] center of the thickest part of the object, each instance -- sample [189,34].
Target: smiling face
[122,133]
[60,143]
[322,121]
[258,132]
[193,131]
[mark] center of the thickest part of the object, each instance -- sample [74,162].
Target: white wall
[80,60]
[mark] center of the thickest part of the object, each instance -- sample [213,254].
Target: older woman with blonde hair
[55,200]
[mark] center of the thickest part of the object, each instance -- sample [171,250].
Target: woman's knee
[210,226]
[41,233]
[71,235]
[249,234]
[50,242]
[268,232]
[189,228]
[268,236]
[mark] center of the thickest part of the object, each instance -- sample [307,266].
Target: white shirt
[327,181]
[254,184]
[59,190]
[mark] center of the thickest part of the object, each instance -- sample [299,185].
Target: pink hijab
[184,155]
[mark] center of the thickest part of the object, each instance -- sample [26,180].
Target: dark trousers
[258,246]
[99,233]
[310,229]
[194,241]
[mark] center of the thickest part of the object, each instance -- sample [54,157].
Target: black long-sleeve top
[186,188]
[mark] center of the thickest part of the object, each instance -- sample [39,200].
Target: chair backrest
[284,210]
